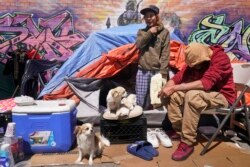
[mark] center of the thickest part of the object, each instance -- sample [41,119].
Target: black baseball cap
[151,8]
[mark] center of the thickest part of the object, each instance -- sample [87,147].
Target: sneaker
[173,135]
[182,152]
[163,137]
[151,138]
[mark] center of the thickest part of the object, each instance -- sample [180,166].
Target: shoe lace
[151,135]
[161,132]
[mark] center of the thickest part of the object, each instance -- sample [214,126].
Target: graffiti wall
[54,37]
[56,28]
[234,38]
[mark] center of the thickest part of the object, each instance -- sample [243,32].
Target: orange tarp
[117,59]
[113,62]
[177,58]
[108,65]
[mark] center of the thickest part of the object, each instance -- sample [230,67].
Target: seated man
[205,82]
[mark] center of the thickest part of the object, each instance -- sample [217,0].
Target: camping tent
[97,46]
[104,54]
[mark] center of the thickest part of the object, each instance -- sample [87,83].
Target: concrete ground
[230,153]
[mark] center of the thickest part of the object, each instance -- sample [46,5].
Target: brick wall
[91,15]
[82,17]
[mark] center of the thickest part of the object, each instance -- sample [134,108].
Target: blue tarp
[97,43]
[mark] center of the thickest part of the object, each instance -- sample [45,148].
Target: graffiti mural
[234,37]
[173,22]
[131,15]
[53,37]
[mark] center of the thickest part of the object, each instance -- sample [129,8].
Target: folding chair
[241,73]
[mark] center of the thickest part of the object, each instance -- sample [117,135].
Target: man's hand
[154,29]
[165,76]
[166,91]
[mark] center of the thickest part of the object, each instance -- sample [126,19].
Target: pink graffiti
[20,33]
[54,37]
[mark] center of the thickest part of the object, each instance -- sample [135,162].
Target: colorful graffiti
[234,38]
[173,22]
[131,15]
[54,37]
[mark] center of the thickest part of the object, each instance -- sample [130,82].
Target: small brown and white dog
[89,143]
[114,98]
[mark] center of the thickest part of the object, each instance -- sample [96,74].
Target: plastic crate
[124,131]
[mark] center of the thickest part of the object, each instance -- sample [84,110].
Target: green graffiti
[210,30]
[233,38]
[246,37]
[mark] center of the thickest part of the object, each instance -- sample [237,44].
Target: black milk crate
[124,131]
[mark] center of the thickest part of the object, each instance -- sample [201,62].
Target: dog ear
[115,93]
[77,130]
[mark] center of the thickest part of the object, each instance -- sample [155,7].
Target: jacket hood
[196,53]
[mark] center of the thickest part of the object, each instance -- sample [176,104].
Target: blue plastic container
[46,126]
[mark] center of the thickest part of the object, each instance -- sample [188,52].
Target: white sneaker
[163,137]
[151,138]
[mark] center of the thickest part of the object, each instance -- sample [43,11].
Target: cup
[10,130]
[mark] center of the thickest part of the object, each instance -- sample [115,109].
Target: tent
[105,54]
[116,40]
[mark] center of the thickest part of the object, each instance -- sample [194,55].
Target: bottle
[6,157]
[13,144]
[9,138]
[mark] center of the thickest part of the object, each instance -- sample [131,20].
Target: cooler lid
[46,106]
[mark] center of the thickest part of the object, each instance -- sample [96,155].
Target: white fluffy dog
[114,98]
[89,143]
[127,105]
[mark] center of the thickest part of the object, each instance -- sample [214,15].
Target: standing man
[205,82]
[153,43]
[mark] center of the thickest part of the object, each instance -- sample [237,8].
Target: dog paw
[124,113]
[91,162]
[131,107]
[78,162]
